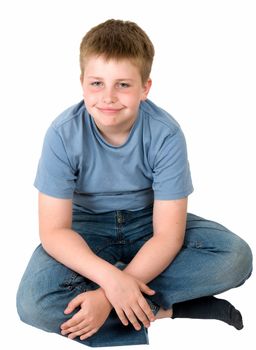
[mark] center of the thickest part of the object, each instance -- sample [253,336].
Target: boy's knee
[31,310]
[27,308]
[28,305]
[240,261]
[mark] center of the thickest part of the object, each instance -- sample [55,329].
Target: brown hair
[116,39]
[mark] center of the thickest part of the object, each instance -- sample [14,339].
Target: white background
[204,75]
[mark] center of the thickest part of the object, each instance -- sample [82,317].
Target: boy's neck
[116,136]
[115,139]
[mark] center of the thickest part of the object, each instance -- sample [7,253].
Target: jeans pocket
[75,281]
[192,244]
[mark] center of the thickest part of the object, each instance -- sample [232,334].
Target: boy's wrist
[108,277]
[104,298]
[112,283]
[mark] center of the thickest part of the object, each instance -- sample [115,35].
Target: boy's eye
[97,83]
[123,85]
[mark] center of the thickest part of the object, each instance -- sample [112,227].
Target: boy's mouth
[109,110]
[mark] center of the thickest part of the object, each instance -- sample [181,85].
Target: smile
[109,110]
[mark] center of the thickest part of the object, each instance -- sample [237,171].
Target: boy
[118,247]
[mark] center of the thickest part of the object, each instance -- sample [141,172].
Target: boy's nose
[109,96]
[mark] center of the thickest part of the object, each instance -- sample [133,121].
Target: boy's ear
[81,79]
[146,89]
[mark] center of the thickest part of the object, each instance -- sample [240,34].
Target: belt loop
[119,217]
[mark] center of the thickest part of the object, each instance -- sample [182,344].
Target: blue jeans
[212,260]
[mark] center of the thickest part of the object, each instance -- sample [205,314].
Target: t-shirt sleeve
[55,175]
[171,173]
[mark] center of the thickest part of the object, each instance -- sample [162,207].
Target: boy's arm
[123,291]
[169,222]
[64,244]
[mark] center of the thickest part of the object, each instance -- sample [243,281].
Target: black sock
[209,308]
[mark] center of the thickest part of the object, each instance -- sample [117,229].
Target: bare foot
[163,313]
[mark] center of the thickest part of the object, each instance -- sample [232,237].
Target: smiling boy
[112,92]
[118,248]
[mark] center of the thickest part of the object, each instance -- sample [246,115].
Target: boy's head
[116,39]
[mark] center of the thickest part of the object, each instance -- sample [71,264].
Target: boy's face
[112,93]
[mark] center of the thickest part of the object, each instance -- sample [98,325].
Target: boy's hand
[125,294]
[94,310]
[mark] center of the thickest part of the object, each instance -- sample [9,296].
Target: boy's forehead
[101,63]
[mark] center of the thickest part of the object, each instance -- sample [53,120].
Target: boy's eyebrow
[99,78]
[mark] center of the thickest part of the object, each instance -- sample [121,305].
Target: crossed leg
[212,260]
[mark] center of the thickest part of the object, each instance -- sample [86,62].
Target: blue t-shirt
[78,163]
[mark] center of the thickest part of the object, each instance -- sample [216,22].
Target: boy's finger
[89,334]
[72,322]
[121,316]
[141,315]
[146,309]
[132,318]
[74,303]
[145,289]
